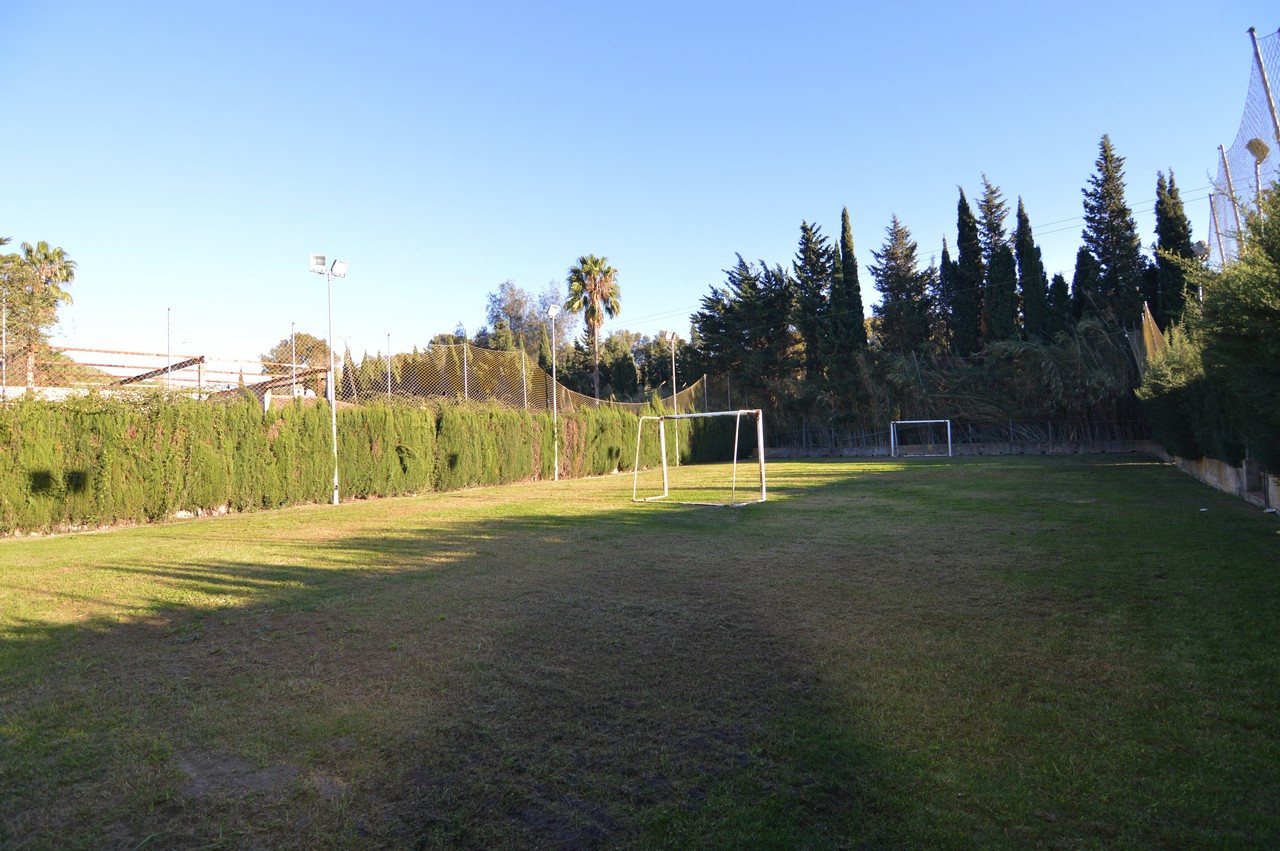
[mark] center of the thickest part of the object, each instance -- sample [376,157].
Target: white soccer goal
[925,438]
[733,481]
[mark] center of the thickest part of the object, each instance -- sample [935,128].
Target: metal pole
[1266,84]
[168,347]
[1217,230]
[555,416]
[4,348]
[733,485]
[662,442]
[293,360]
[466,393]
[674,408]
[760,444]
[333,399]
[524,379]
[388,368]
[1231,190]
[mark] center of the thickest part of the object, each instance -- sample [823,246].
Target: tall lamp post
[4,347]
[672,338]
[552,311]
[336,269]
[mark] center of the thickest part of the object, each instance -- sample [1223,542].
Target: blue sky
[191,157]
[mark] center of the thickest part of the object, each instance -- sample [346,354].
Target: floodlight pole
[672,337]
[338,268]
[555,424]
[333,396]
[168,347]
[293,360]
[4,347]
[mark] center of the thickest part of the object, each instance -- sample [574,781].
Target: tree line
[983,332]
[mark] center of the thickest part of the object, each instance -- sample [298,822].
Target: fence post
[524,379]
[466,392]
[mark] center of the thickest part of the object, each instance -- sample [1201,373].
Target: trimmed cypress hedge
[97,460]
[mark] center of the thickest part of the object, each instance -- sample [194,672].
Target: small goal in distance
[661,420]
[923,438]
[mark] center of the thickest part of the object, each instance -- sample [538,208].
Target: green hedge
[96,460]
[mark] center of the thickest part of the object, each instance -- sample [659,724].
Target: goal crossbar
[661,420]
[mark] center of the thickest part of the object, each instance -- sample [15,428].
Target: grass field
[968,652]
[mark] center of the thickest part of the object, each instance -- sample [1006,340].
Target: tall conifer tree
[946,292]
[813,267]
[1173,243]
[852,300]
[992,211]
[1085,295]
[1032,282]
[906,306]
[1001,297]
[1111,236]
[966,305]
[1059,305]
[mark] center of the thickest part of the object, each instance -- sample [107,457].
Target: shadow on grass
[566,681]
[825,670]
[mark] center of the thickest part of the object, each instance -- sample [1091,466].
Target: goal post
[925,438]
[661,421]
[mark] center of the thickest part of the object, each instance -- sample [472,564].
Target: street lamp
[555,427]
[336,269]
[672,338]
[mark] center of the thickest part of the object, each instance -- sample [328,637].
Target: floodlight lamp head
[318,264]
[553,310]
[339,268]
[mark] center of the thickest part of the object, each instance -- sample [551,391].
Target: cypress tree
[850,286]
[813,266]
[1001,297]
[905,308]
[966,305]
[1111,236]
[1059,305]
[1085,295]
[946,292]
[1031,278]
[1173,243]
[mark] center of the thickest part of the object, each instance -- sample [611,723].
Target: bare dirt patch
[210,774]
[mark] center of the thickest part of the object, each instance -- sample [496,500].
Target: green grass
[968,652]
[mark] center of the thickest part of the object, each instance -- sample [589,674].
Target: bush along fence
[96,461]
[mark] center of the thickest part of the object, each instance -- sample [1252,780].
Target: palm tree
[47,270]
[593,292]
